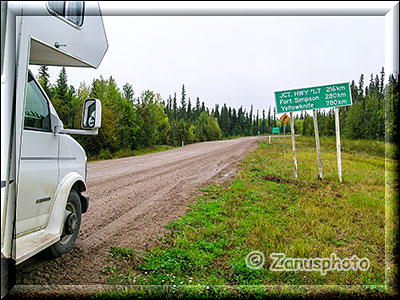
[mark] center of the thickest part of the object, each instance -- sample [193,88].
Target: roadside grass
[266,209]
[106,154]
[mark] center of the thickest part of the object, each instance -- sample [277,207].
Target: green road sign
[313,98]
[275,130]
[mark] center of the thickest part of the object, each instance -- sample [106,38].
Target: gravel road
[131,200]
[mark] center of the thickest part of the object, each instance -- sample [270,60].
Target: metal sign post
[283,149]
[284,120]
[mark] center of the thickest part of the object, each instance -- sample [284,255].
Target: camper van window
[72,11]
[57,7]
[75,12]
[37,116]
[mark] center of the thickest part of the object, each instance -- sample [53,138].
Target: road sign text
[313,98]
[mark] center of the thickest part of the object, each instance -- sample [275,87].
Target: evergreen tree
[361,88]
[216,111]
[174,108]
[256,128]
[189,111]
[263,126]
[392,111]
[168,107]
[61,88]
[230,122]
[197,108]
[269,120]
[382,84]
[182,110]
[274,120]
[224,121]
[62,98]
[354,91]
[128,92]
[44,80]
[249,122]
[234,123]
[99,89]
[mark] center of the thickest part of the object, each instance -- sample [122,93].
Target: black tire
[67,241]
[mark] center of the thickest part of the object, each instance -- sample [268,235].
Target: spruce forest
[134,121]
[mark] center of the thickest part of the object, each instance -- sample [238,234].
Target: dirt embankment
[131,200]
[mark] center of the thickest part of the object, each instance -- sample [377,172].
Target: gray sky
[236,60]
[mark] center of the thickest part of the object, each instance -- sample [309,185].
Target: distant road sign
[313,98]
[275,130]
[285,118]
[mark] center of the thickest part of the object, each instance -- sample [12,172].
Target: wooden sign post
[285,119]
[293,145]
[317,144]
[338,150]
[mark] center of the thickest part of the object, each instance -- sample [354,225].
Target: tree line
[131,121]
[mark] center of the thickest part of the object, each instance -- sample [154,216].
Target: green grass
[266,209]
[106,154]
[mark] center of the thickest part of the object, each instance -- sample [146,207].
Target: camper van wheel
[71,225]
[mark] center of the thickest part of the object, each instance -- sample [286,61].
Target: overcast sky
[236,60]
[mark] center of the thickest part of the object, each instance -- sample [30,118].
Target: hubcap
[70,223]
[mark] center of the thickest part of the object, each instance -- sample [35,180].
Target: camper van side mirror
[91,114]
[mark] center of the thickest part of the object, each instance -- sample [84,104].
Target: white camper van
[43,169]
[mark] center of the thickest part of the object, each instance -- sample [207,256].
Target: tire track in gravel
[131,200]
